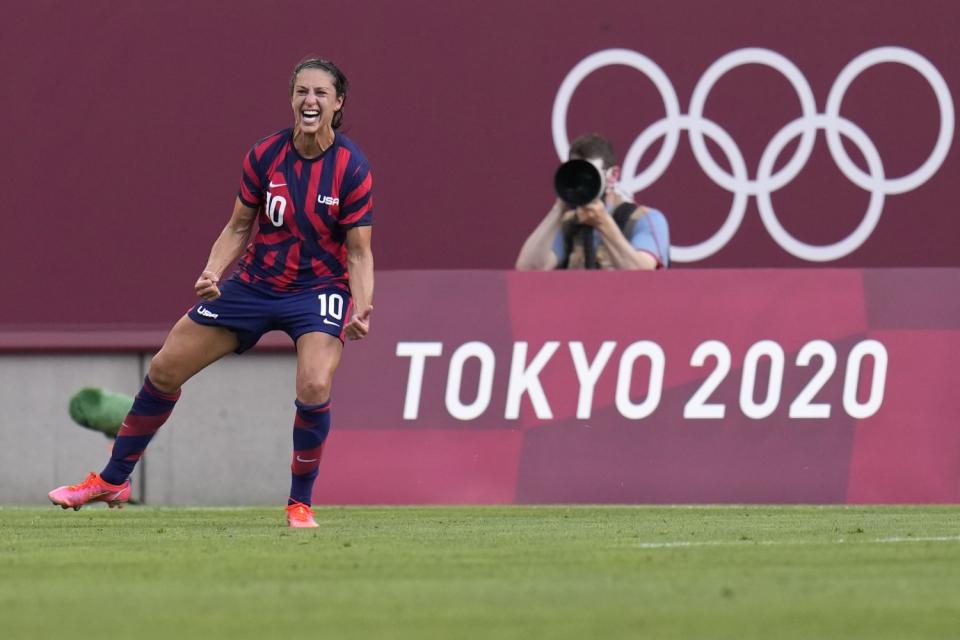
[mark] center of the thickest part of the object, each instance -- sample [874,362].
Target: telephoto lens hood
[578,182]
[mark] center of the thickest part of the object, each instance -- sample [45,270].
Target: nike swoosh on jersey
[279,184]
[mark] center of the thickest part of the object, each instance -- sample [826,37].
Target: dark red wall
[124,125]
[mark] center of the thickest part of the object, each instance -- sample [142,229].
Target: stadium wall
[691,386]
[464,108]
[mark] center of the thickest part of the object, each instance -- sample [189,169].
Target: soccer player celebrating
[307,272]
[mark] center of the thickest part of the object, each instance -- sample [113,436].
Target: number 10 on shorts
[331,304]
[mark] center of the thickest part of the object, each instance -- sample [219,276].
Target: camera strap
[621,215]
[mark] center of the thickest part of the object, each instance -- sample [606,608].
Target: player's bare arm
[360,267]
[537,251]
[226,249]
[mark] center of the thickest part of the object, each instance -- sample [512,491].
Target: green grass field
[482,572]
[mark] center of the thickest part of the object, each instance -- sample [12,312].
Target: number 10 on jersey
[331,304]
[274,208]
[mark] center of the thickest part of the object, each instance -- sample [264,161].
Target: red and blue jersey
[306,207]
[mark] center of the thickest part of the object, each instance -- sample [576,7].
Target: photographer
[611,232]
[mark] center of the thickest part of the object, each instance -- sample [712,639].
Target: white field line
[776,543]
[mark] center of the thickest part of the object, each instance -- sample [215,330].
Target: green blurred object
[100,410]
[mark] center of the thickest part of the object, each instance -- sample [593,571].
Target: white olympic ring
[767,182]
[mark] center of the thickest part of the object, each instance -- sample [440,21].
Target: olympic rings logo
[737,182]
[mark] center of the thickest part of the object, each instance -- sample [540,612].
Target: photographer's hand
[622,254]
[558,209]
[594,214]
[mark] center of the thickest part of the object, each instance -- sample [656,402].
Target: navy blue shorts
[251,312]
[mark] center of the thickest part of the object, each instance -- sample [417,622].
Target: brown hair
[593,145]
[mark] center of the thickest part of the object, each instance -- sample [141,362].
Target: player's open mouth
[310,116]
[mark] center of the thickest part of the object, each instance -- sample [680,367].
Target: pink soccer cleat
[300,516]
[92,489]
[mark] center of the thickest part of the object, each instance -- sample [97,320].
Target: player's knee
[314,390]
[164,375]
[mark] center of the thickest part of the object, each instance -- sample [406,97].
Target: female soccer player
[308,272]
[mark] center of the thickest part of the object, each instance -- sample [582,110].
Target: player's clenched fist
[359,325]
[206,286]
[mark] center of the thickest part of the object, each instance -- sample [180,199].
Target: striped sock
[150,410]
[310,429]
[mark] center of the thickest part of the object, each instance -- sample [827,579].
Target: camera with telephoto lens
[579,182]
